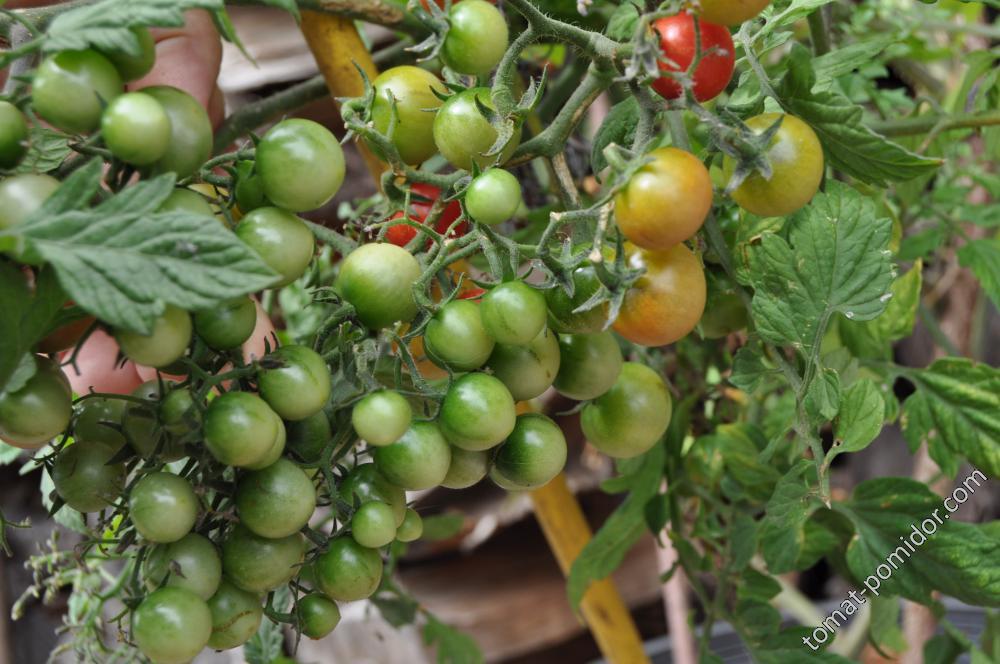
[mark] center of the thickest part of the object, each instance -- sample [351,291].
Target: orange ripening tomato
[666,201]
[666,303]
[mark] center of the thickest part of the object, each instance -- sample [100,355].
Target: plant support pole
[340,52]
[604,611]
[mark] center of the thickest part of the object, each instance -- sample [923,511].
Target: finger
[97,369]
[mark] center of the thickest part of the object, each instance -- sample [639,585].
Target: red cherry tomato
[678,44]
[422,198]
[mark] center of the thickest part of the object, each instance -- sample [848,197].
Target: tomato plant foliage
[521,239]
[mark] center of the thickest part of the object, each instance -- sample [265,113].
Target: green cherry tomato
[412,527]
[563,315]
[411,90]
[136,128]
[276,501]
[190,131]
[456,339]
[666,201]
[380,418]
[84,479]
[418,460]
[513,312]
[462,134]
[236,616]
[374,524]
[365,483]
[347,571]
[796,158]
[724,314]
[191,563]
[228,325]
[35,414]
[467,467]
[533,454]
[165,344]
[477,37]
[133,66]
[70,89]
[501,481]
[318,616]
[378,280]
[307,438]
[260,564]
[493,197]
[275,451]
[13,135]
[171,626]
[527,370]
[186,200]
[281,239]
[477,412]
[163,507]
[632,416]
[95,421]
[589,366]
[301,164]
[20,195]
[177,412]
[240,428]
[295,382]
[142,428]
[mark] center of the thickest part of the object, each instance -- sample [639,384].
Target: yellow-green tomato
[276,501]
[527,370]
[281,239]
[378,280]
[301,164]
[411,90]
[418,460]
[455,337]
[190,132]
[171,626]
[589,365]
[13,135]
[796,158]
[260,564]
[373,524]
[533,454]
[493,196]
[477,412]
[318,616]
[85,480]
[295,381]
[20,195]
[136,128]
[467,467]
[513,312]
[71,88]
[632,416]
[191,563]
[380,418]
[133,66]
[165,344]
[347,571]
[412,527]
[37,412]
[477,37]
[463,135]
[236,616]
[163,507]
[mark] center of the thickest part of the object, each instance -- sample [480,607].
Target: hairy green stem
[819,31]
[922,124]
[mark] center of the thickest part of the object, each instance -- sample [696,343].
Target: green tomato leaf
[796,10]
[604,552]
[47,149]
[885,630]
[453,647]
[829,66]
[123,263]
[943,649]
[956,407]
[24,320]
[983,258]
[836,260]
[782,531]
[822,400]
[862,413]
[850,146]
[618,127]
[749,368]
[105,25]
[959,559]
[8,453]
[874,338]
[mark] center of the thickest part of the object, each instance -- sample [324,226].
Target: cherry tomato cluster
[224,472]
